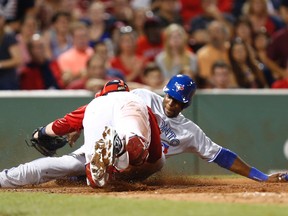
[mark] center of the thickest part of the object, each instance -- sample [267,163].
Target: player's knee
[137,150]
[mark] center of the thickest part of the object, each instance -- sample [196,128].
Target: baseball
[285,149]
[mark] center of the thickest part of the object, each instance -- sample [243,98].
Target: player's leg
[98,137]
[43,170]
[97,117]
[129,119]
[132,124]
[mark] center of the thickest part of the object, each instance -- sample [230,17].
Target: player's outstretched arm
[231,161]
[70,125]
[47,140]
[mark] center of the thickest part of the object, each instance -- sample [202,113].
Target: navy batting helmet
[181,87]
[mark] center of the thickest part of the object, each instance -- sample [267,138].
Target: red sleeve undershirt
[70,122]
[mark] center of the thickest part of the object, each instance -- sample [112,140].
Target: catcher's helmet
[113,86]
[181,88]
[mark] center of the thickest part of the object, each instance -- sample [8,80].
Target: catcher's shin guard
[109,155]
[137,149]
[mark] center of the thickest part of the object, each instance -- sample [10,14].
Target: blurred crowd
[80,44]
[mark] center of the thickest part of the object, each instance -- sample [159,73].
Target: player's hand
[73,137]
[278,177]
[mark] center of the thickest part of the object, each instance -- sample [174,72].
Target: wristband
[283,177]
[257,175]
[42,132]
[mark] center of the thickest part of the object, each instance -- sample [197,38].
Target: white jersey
[179,134]
[123,111]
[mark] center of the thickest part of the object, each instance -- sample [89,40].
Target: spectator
[168,12]
[122,11]
[257,12]
[15,11]
[221,75]
[10,58]
[153,77]
[281,83]
[215,50]
[45,10]
[39,72]
[151,43]
[140,16]
[237,8]
[73,61]
[68,6]
[96,75]
[200,81]
[176,52]
[103,49]
[278,48]
[211,12]
[197,39]
[115,35]
[58,38]
[243,29]
[98,28]
[190,9]
[245,69]
[28,28]
[126,59]
[208,11]
[270,69]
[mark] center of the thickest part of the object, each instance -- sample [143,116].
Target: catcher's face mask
[113,86]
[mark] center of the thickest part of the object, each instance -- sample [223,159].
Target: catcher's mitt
[46,145]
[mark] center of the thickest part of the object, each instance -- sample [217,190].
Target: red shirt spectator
[190,9]
[126,59]
[39,73]
[45,76]
[278,48]
[151,43]
[280,84]
[116,62]
[146,49]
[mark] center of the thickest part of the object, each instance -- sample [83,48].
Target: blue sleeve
[225,158]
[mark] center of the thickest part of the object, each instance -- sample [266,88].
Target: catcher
[121,137]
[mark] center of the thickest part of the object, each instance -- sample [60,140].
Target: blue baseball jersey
[179,134]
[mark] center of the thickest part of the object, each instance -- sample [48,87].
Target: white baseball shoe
[109,154]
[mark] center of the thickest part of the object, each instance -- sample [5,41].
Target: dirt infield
[228,190]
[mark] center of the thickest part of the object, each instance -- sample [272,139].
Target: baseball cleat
[105,156]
